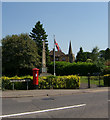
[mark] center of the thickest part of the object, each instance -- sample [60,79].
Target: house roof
[57,53]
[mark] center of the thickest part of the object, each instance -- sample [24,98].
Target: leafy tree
[100,63]
[19,54]
[102,54]
[81,56]
[98,57]
[95,54]
[88,55]
[39,35]
[107,54]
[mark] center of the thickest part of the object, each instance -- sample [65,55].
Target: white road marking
[41,111]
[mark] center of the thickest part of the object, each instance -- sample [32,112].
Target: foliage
[107,80]
[82,56]
[56,82]
[88,60]
[98,58]
[19,55]
[100,63]
[6,84]
[39,35]
[66,68]
[107,75]
[107,54]
[95,54]
[107,70]
[101,59]
[60,82]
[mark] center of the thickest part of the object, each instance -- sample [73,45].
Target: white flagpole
[54,56]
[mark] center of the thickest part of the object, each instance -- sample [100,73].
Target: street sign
[20,80]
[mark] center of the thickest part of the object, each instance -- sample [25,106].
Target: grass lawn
[93,80]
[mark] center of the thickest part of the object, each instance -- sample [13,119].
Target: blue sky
[84,23]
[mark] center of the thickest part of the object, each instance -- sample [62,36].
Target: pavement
[49,92]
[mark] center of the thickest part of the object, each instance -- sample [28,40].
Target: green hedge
[107,80]
[66,68]
[55,82]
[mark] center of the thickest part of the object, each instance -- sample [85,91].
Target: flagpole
[54,56]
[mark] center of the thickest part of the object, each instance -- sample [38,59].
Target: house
[61,56]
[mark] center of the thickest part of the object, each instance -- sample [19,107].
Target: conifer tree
[79,57]
[39,35]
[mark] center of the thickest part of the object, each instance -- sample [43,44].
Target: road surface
[79,105]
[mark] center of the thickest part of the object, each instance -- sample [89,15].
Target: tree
[95,54]
[39,35]
[81,56]
[98,58]
[102,54]
[88,55]
[100,63]
[107,54]
[19,54]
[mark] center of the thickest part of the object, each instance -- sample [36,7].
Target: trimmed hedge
[60,82]
[107,80]
[6,84]
[55,82]
[66,68]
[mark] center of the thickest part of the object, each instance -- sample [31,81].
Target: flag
[57,46]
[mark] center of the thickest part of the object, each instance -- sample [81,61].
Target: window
[63,59]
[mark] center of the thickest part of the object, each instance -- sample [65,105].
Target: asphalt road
[81,105]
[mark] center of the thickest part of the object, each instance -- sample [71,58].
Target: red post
[35,76]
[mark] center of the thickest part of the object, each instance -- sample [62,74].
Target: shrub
[6,84]
[107,80]
[66,68]
[59,82]
[55,82]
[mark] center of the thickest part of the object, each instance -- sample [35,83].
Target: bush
[59,82]
[66,68]
[6,84]
[55,82]
[107,80]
